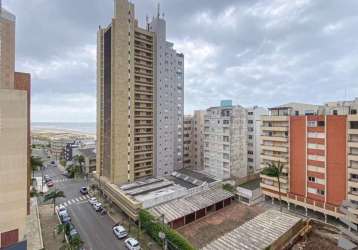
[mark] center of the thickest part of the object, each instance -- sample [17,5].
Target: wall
[336,159]
[13,160]
[298,155]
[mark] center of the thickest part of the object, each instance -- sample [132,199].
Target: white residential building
[225,141]
[169,102]
[254,138]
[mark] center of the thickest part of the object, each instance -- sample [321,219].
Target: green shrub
[153,227]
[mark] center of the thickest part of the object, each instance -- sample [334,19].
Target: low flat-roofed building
[150,192]
[250,192]
[179,212]
[265,230]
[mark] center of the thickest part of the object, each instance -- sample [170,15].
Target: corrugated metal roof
[258,233]
[181,207]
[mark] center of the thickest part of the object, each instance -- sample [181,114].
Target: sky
[255,52]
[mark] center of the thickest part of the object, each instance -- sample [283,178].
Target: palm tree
[274,169]
[53,195]
[74,244]
[36,163]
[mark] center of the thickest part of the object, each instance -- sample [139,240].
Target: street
[95,230]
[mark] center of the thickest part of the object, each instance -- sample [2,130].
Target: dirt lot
[49,222]
[321,237]
[209,228]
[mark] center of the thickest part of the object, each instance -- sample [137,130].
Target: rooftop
[178,208]
[258,233]
[251,185]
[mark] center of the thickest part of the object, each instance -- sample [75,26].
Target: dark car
[65,218]
[83,190]
[102,211]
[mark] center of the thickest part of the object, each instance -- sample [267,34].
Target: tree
[80,159]
[53,195]
[74,244]
[63,228]
[36,163]
[274,169]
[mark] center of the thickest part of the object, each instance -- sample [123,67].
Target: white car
[92,200]
[61,210]
[132,244]
[119,232]
[97,206]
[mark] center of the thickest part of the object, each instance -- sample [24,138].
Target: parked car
[132,244]
[102,211]
[119,232]
[83,190]
[65,218]
[72,231]
[97,206]
[50,183]
[92,200]
[61,210]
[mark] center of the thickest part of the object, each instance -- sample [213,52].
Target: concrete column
[288,206]
[272,200]
[325,218]
[306,211]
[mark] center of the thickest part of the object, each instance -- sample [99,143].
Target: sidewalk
[33,228]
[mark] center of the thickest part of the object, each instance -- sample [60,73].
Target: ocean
[85,127]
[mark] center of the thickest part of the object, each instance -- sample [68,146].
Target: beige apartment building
[14,138]
[188,141]
[126,97]
[197,144]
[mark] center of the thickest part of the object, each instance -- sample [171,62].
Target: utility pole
[42,174]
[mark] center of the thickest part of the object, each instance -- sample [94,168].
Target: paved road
[95,230]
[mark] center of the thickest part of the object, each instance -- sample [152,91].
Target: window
[335,112]
[225,121]
[250,122]
[250,113]
[250,152]
[250,137]
[312,179]
[312,124]
[353,112]
[297,112]
[320,123]
[320,192]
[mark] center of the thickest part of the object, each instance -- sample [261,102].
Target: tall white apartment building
[225,141]
[254,138]
[169,102]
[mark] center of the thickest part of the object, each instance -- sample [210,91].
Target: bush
[152,227]
[63,162]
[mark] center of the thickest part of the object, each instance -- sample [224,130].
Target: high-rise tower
[169,102]
[126,98]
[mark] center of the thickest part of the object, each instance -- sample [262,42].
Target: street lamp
[162,237]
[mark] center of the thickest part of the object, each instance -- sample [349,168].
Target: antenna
[158,10]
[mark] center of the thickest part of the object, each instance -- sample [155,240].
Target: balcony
[353,183]
[353,131]
[274,118]
[352,157]
[282,179]
[275,148]
[274,188]
[275,128]
[353,170]
[353,195]
[353,118]
[274,138]
[278,158]
[353,144]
